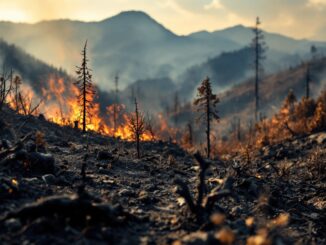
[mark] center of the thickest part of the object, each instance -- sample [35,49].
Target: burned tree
[115,109]
[206,104]
[176,107]
[259,47]
[85,86]
[308,80]
[137,127]
[16,88]
[6,86]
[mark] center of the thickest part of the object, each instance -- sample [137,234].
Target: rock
[41,163]
[197,238]
[104,155]
[236,210]
[12,225]
[126,193]
[49,179]
[321,139]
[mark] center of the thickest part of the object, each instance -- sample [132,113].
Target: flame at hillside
[58,103]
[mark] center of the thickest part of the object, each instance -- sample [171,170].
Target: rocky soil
[59,186]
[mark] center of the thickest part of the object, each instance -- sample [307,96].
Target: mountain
[131,44]
[37,74]
[32,71]
[243,35]
[136,46]
[239,101]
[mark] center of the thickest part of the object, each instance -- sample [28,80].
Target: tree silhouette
[85,86]
[6,86]
[206,103]
[116,101]
[176,107]
[259,46]
[137,127]
[308,80]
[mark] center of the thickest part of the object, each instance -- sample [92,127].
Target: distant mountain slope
[135,46]
[131,43]
[224,71]
[32,71]
[273,90]
[243,35]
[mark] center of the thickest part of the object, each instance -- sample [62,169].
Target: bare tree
[137,127]
[115,109]
[86,89]
[308,80]
[16,88]
[6,86]
[259,46]
[176,107]
[26,104]
[206,103]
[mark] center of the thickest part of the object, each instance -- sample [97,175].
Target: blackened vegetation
[202,206]
[275,196]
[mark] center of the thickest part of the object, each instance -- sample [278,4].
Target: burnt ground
[274,195]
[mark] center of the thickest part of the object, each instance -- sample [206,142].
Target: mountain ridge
[135,45]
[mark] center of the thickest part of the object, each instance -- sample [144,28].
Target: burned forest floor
[60,186]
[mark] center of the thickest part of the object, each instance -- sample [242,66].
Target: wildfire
[58,103]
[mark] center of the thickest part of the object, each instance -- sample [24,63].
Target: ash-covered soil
[65,187]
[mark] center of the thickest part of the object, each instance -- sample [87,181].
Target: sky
[295,18]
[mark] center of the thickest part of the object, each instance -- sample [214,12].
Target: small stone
[126,192]
[49,179]
[12,225]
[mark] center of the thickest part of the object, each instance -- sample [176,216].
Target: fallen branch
[18,146]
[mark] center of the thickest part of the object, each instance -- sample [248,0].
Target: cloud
[297,18]
[317,3]
[216,4]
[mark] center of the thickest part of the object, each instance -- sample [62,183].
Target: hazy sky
[297,18]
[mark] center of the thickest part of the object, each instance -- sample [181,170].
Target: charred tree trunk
[308,82]
[84,94]
[208,129]
[137,132]
[256,81]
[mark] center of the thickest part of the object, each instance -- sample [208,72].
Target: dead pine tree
[176,107]
[6,86]
[16,88]
[115,109]
[137,126]
[85,86]
[259,47]
[206,103]
[308,80]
